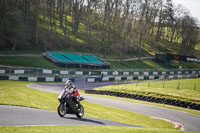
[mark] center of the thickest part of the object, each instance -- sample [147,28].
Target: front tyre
[80,113]
[61,109]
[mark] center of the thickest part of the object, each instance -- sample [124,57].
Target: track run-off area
[23,116]
[189,122]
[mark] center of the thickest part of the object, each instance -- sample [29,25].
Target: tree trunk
[2,21]
[65,27]
[173,32]
[61,10]
[50,15]
[53,12]
[77,14]
[25,3]
[36,21]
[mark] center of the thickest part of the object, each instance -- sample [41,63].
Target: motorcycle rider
[70,101]
[71,89]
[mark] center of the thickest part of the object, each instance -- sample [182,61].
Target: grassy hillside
[19,39]
[28,62]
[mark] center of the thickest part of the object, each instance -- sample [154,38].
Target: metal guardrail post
[149,84]
[195,86]
[28,71]
[9,70]
[164,83]
[178,86]
[37,71]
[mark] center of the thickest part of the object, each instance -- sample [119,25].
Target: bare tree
[50,10]
[179,13]
[37,2]
[142,25]
[61,8]
[89,11]
[3,16]
[77,10]
[106,15]
[189,32]
[121,25]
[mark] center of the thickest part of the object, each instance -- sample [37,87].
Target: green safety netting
[75,58]
[93,59]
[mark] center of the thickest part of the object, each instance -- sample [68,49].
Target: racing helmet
[68,83]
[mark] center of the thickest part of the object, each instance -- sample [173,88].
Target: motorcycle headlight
[59,97]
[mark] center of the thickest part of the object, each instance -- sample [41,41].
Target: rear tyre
[80,113]
[61,110]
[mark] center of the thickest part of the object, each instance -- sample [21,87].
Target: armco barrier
[13,73]
[178,103]
[39,79]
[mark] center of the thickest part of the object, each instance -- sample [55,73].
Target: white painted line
[105,79]
[151,77]
[104,73]
[79,73]
[64,72]
[125,73]
[146,73]
[19,71]
[118,78]
[32,78]
[91,80]
[65,79]
[49,79]
[47,71]
[2,71]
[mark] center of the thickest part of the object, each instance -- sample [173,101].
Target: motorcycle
[68,105]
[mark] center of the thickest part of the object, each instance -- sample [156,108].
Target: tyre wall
[178,103]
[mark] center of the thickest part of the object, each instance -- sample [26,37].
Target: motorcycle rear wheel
[61,110]
[80,113]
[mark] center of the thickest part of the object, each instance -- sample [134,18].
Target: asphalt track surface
[23,116]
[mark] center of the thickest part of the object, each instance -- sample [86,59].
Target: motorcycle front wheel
[61,110]
[80,112]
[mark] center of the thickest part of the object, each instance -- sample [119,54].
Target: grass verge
[184,90]
[84,129]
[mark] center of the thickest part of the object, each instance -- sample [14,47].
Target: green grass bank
[184,89]
[85,129]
